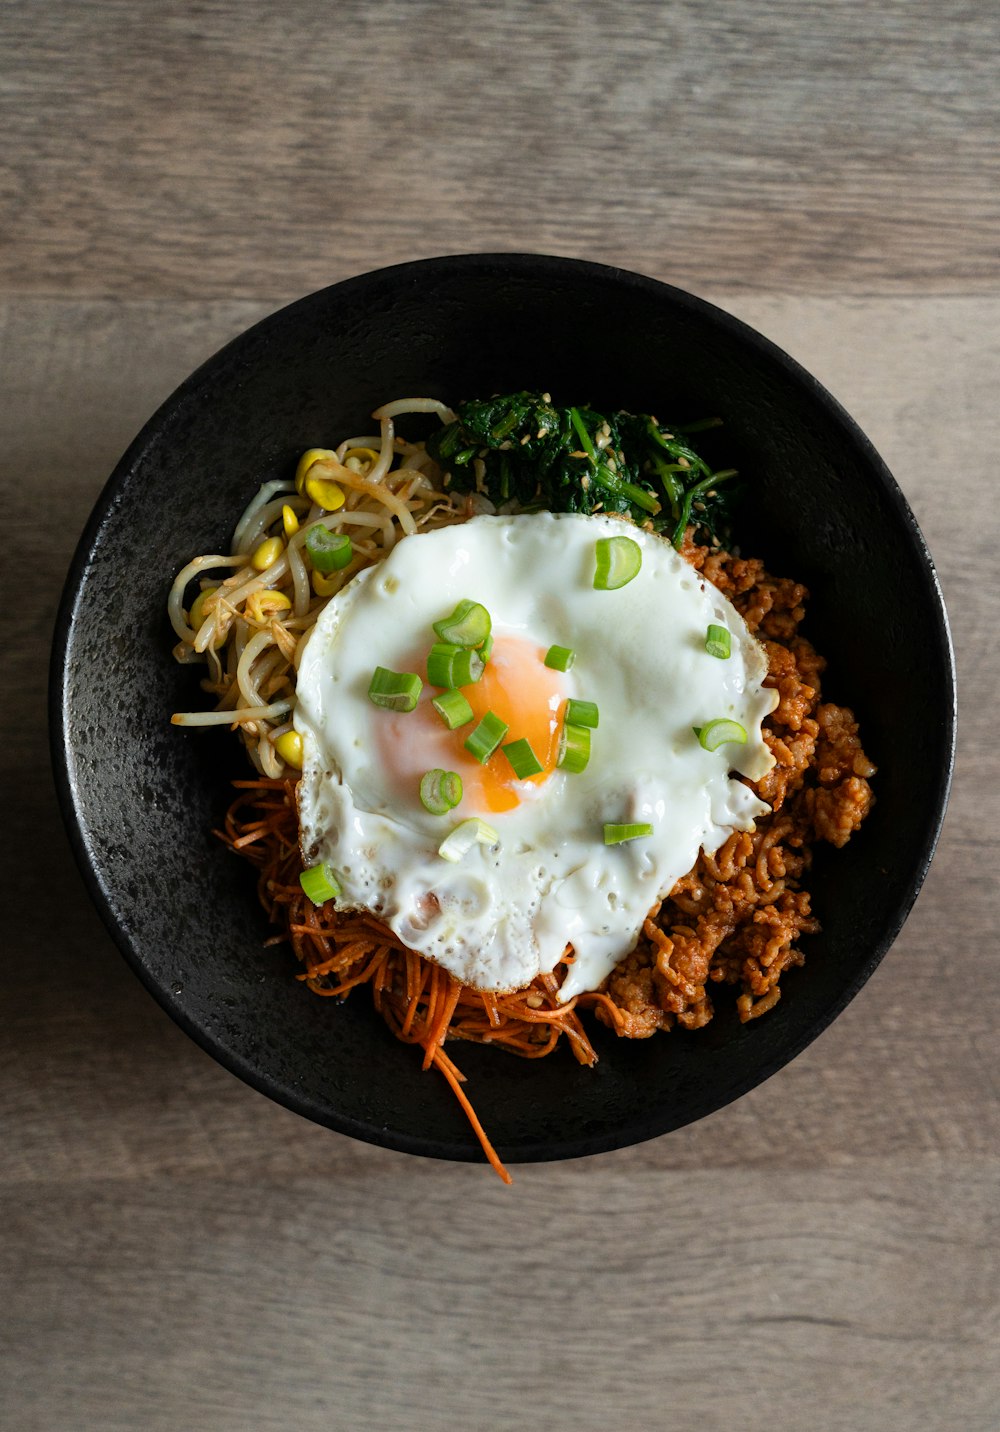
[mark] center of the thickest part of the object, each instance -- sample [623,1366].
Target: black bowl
[140,797]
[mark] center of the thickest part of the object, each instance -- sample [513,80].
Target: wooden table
[177,1252]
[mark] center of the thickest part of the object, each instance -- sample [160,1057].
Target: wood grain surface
[175,1251]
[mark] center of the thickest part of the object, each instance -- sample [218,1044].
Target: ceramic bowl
[141,797]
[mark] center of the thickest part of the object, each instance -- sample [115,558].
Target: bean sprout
[251,663]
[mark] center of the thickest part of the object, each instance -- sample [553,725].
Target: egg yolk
[517,687]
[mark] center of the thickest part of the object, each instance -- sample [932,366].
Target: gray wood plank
[96,1078]
[862,1298]
[245,149]
[177,1252]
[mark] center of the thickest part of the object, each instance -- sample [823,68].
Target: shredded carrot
[420,1002]
[470,1114]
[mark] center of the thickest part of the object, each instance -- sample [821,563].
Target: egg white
[506,913]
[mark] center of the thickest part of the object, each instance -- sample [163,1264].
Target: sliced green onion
[453,709]
[468,625]
[717,642]
[328,551]
[486,650]
[560,658]
[582,713]
[440,791]
[464,836]
[486,737]
[523,761]
[618,834]
[618,561]
[716,733]
[451,666]
[320,883]
[574,748]
[395,690]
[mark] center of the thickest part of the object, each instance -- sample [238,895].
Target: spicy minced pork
[735,919]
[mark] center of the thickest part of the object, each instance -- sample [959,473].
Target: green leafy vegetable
[535,454]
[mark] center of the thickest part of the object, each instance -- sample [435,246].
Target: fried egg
[508,910]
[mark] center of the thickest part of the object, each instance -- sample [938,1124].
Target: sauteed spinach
[522,449]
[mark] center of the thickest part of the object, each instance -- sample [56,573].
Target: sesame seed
[683,462]
[546,397]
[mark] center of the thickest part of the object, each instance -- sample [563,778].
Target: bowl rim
[59,700]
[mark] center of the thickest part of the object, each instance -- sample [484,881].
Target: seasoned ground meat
[736,919]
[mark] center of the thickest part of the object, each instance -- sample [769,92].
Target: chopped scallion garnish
[468,625]
[717,733]
[560,658]
[328,551]
[320,884]
[574,748]
[486,650]
[453,709]
[464,836]
[717,641]
[395,690]
[440,791]
[618,561]
[486,737]
[617,834]
[523,761]
[582,713]
[450,666]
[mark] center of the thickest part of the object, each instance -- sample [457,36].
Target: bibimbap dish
[591,786]
[539,752]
